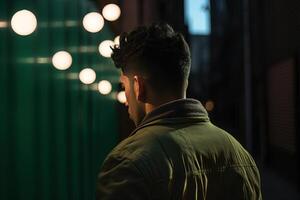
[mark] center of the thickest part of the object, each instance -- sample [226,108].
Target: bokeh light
[209,105]
[121,97]
[3,24]
[23,22]
[104,48]
[104,87]
[117,40]
[93,22]
[62,60]
[111,12]
[87,76]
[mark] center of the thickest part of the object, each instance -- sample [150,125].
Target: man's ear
[139,88]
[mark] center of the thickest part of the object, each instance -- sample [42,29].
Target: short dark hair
[158,52]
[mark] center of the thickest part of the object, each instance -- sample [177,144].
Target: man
[175,152]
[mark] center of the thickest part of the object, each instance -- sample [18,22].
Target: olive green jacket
[177,153]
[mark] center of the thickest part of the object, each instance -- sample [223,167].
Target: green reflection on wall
[54,131]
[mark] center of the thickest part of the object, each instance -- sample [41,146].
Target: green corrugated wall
[54,131]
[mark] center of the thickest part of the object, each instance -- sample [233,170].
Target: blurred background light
[42,60]
[121,97]
[209,105]
[23,22]
[197,16]
[104,87]
[111,12]
[104,48]
[33,60]
[117,40]
[59,24]
[93,22]
[87,76]
[3,24]
[62,60]
[72,76]
[83,49]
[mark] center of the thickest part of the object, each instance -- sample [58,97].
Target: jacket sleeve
[121,179]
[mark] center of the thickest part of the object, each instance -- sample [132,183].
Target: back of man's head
[157,53]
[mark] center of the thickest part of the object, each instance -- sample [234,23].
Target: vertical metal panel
[43,95]
[4,136]
[54,131]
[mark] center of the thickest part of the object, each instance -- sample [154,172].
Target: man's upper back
[174,156]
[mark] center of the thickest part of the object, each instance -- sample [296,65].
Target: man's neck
[152,106]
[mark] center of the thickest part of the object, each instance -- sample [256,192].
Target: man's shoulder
[156,137]
[138,145]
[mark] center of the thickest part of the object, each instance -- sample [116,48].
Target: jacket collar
[173,111]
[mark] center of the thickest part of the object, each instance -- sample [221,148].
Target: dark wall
[227,66]
[145,12]
[282,29]
[275,30]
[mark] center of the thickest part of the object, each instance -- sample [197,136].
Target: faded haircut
[157,52]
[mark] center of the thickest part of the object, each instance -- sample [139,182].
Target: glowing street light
[121,97]
[104,87]
[62,60]
[87,76]
[93,22]
[104,48]
[23,22]
[117,40]
[111,12]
